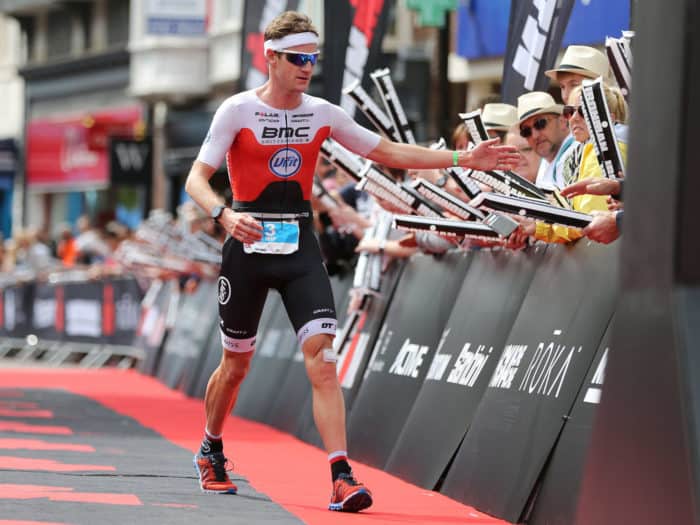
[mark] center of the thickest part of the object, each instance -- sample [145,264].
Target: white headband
[295,39]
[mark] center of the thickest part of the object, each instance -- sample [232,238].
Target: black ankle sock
[211,446]
[340,467]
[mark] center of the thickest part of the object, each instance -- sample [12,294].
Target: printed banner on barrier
[557,498]
[402,354]
[195,319]
[545,359]
[472,342]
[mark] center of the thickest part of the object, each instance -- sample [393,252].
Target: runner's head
[291,50]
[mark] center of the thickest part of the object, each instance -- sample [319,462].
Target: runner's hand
[241,226]
[489,155]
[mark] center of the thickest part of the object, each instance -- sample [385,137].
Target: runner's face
[293,77]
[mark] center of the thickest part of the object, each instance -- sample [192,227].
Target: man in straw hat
[498,118]
[578,63]
[542,125]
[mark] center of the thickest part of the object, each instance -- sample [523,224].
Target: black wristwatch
[216,212]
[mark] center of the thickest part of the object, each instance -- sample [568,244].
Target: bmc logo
[285,162]
[285,133]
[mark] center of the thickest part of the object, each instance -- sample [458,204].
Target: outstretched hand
[490,155]
[592,186]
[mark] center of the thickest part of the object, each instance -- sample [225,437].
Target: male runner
[270,138]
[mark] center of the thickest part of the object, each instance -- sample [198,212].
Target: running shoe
[213,473]
[349,495]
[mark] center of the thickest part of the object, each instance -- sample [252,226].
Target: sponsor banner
[542,367]
[17,310]
[182,18]
[354,50]
[471,345]
[83,312]
[403,352]
[557,497]
[274,351]
[196,317]
[535,35]
[256,17]
[152,327]
[130,161]
[47,311]
[71,154]
[125,296]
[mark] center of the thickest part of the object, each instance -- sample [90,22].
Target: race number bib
[278,238]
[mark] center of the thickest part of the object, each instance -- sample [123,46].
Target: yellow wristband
[455,158]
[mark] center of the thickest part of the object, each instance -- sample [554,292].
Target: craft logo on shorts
[285,162]
[224,287]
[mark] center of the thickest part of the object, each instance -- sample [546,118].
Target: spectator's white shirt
[550,175]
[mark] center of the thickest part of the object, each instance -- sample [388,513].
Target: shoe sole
[207,491]
[353,503]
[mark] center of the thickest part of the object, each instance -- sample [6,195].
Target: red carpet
[256,450]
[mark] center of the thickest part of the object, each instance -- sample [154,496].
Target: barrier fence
[474,373]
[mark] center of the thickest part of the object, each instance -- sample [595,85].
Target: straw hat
[499,117]
[536,103]
[581,60]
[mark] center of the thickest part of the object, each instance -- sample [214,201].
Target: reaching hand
[603,227]
[488,155]
[592,186]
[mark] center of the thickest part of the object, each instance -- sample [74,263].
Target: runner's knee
[320,360]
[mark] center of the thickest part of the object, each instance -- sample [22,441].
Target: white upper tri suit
[271,158]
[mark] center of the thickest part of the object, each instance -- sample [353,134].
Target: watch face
[216,212]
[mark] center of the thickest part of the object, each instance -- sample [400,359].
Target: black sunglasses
[568,111]
[539,125]
[300,59]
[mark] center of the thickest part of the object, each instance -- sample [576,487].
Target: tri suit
[271,157]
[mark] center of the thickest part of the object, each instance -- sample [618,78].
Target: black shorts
[300,278]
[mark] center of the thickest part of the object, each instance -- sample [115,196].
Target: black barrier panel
[546,357]
[17,309]
[83,317]
[270,363]
[152,329]
[126,295]
[401,357]
[189,337]
[47,305]
[485,309]
[555,503]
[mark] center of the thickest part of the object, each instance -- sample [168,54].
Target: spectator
[66,248]
[577,64]
[89,243]
[529,161]
[542,125]
[498,118]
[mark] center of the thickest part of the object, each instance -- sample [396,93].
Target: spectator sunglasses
[539,125]
[568,111]
[300,59]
